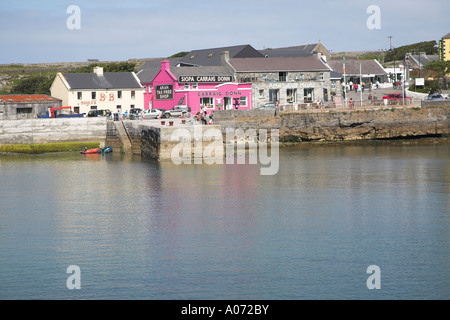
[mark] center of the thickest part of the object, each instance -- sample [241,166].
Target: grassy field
[48,147]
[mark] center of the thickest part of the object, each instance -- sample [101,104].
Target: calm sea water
[148,230]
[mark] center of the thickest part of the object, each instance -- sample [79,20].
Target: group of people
[202,117]
[360,87]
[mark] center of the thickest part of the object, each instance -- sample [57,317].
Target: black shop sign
[164,92]
[205,79]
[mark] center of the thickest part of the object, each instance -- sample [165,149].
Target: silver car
[152,113]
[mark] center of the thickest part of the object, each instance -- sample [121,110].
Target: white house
[116,91]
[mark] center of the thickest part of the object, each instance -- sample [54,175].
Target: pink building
[212,87]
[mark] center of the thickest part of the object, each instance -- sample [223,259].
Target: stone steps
[126,143]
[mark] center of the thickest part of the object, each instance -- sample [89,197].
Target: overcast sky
[33,31]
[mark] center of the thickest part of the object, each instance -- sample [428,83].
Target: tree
[35,84]
[440,69]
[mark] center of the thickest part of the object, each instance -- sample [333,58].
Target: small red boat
[90,151]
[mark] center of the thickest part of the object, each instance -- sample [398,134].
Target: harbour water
[149,230]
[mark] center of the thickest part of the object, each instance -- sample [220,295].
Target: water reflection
[149,230]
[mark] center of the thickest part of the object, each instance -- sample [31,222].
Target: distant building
[298,51]
[116,91]
[418,61]
[370,71]
[444,48]
[25,106]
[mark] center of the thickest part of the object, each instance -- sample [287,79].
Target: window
[274,95]
[207,102]
[133,94]
[243,101]
[261,93]
[119,107]
[94,95]
[282,76]
[24,110]
[79,95]
[186,86]
[308,95]
[119,94]
[93,107]
[321,76]
[301,76]
[291,95]
[195,86]
[76,110]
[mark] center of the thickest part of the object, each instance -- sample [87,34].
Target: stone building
[25,106]
[287,81]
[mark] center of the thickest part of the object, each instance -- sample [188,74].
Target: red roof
[26,98]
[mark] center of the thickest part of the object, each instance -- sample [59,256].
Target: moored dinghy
[90,151]
[106,149]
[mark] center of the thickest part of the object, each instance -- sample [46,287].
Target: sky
[43,31]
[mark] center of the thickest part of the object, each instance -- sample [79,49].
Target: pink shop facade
[197,88]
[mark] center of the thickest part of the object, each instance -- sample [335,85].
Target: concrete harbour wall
[33,131]
[153,141]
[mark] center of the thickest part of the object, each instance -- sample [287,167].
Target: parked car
[177,111]
[135,113]
[395,96]
[153,113]
[99,113]
[435,97]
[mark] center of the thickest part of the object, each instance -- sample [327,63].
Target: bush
[429,84]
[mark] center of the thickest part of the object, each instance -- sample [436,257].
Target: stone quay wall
[33,131]
[343,125]
[158,142]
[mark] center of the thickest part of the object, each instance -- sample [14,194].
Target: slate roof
[156,63]
[352,67]
[109,80]
[212,56]
[294,51]
[147,75]
[423,59]
[26,98]
[447,36]
[335,75]
[277,64]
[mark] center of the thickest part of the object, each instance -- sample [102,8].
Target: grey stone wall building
[287,81]
[25,106]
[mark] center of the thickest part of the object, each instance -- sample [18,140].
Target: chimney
[165,65]
[322,57]
[224,57]
[98,71]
